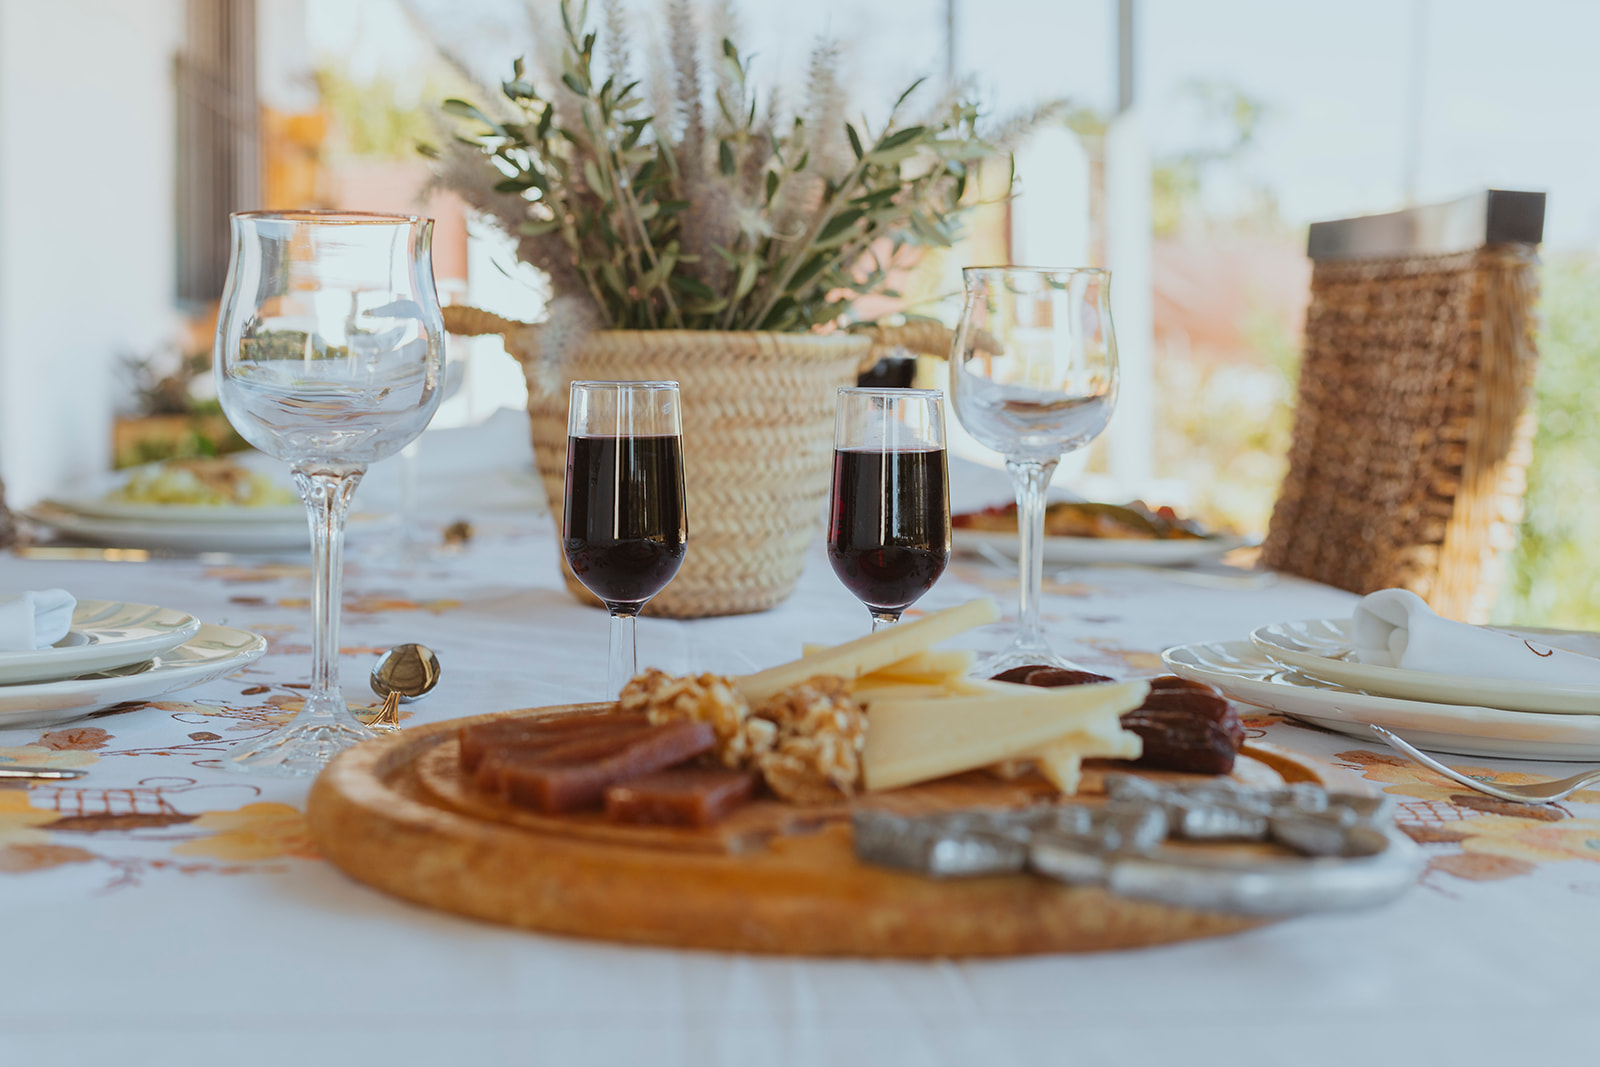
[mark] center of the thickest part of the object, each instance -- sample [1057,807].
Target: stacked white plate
[1307,670]
[114,653]
[93,514]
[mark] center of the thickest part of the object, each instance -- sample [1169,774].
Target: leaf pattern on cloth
[255,832]
[37,755]
[261,572]
[377,604]
[1495,839]
[20,820]
[76,737]
[20,859]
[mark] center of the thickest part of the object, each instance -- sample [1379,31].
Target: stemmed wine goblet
[624,529]
[889,524]
[1033,374]
[328,356]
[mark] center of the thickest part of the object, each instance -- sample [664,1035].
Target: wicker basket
[757,445]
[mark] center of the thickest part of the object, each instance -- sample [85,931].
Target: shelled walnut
[821,735]
[806,741]
[708,698]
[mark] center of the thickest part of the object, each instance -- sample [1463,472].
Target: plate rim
[1354,699]
[71,658]
[170,677]
[1415,680]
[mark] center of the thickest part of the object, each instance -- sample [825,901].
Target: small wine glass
[889,524]
[624,529]
[1033,374]
[328,356]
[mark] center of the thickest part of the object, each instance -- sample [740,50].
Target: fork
[1539,793]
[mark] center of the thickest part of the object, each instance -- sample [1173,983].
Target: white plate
[1321,649]
[194,537]
[104,634]
[211,653]
[92,500]
[1244,672]
[100,508]
[1089,550]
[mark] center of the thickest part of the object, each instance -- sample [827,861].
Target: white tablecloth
[164,911]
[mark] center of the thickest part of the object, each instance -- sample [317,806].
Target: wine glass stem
[880,619]
[327,491]
[624,659]
[1030,478]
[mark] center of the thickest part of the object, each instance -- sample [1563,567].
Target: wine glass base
[301,748]
[1020,654]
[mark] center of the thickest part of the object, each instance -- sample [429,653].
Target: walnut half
[806,741]
[821,734]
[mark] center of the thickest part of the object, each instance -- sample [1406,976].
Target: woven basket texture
[1412,429]
[757,446]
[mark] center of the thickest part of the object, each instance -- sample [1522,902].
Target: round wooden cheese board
[397,814]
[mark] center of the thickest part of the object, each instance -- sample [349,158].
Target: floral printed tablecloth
[163,910]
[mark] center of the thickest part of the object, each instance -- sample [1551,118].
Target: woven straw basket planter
[757,445]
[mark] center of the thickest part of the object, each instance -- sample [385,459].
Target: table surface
[164,910]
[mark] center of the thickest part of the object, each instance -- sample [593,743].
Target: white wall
[86,223]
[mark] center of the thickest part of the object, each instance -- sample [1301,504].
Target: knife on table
[40,772]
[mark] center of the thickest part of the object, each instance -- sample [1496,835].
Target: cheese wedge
[873,652]
[936,665]
[1061,762]
[874,688]
[941,663]
[911,741]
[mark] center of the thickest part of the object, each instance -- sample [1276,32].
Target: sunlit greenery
[368,119]
[1555,571]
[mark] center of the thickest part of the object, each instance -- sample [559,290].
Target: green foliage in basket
[663,212]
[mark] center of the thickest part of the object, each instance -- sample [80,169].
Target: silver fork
[1540,793]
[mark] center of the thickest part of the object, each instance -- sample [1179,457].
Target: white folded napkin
[1396,628]
[36,619]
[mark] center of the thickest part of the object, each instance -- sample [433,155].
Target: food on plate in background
[205,482]
[1070,518]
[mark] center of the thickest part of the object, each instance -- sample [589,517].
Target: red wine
[624,531]
[889,529]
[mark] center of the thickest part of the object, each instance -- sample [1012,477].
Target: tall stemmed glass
[624,527]
[889,524]
[328,356]
[1033,374]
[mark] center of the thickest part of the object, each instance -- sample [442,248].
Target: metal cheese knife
[40,772]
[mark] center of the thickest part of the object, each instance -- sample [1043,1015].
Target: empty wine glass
[889,524]
[328,356]
[624,529]
[1033,374]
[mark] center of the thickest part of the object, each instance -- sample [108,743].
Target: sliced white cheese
[873,652]
[1061,761]
[936,664]
[1062,768]
[939,663]
[874,688]
[911,741]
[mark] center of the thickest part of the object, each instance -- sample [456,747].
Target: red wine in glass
[624,531]
[889,526]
